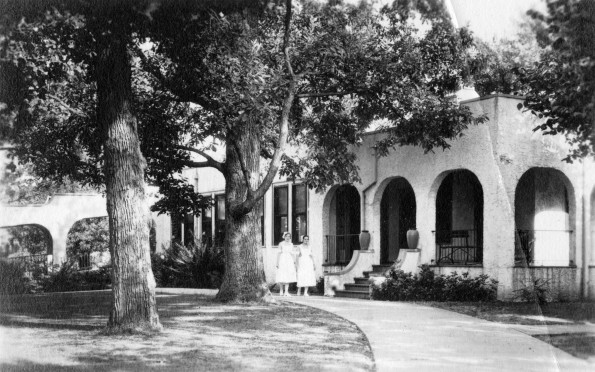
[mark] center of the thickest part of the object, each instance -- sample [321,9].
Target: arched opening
[344,226]
[397,215]
[543,219]
[87,243]
[459,219]
[25,243]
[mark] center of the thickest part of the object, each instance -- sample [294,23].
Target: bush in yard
[66,278]
[537,291]
[193,266]
[427,286]
[13,279]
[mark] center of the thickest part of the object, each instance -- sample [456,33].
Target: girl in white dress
[285,265]
[305,273]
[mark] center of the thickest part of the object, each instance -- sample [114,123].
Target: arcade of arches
[542,218]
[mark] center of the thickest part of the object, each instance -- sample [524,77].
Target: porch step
[377,270]
[353,294]
[368,274]
[361,287]
[358,287]
[362,280]
[381,268]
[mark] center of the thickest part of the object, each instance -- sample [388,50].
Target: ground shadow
[199,334]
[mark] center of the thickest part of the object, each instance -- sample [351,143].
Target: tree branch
[248,204]
[286,37]
[210,162]
[265,153]
[66,106]
[275,163]
[181,94]
[242,165]
[328,94]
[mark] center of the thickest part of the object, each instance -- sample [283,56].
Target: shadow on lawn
[199,334]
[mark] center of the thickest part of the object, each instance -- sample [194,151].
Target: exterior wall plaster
[498,153]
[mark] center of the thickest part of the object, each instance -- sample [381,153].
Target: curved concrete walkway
[412,337]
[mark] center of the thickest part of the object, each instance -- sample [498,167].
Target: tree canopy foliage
[252,76]
[498,64]
[346,66]
[561,87]
[199,73]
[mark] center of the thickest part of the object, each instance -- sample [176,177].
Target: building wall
[498,153]
[62,211]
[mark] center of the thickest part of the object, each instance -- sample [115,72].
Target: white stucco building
[499,202]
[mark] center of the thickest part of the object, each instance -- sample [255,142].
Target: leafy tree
[497,65]
[311,75]
[88,236]
[562,85]
[76,105]
[27,240]
[254,79]
[21,186]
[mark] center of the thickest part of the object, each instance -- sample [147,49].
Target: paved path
[413,337]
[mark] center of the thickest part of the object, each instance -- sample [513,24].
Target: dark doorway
[345,225]
[459,219]
[397,215]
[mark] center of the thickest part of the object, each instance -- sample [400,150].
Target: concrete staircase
[361,287]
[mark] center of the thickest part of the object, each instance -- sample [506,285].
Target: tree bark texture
[133,285]
[244,278]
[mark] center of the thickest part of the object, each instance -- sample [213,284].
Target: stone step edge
[362,295]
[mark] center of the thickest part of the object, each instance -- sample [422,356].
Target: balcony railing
[458,247]
[339,248]
[553,246]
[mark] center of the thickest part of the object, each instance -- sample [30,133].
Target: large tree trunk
[244,278]
[133,285]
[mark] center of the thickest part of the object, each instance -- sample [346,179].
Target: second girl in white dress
[305,272]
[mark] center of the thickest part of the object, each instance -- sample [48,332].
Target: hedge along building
[499,202]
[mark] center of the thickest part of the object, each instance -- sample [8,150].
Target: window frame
[291,188]
[296,234]
[277,233]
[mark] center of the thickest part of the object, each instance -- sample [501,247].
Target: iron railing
[458,247]
[525,241]
[339,248]
[30,259]
[32,263]
[84,261]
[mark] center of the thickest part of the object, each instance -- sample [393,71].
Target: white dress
[305,273]
[286,270]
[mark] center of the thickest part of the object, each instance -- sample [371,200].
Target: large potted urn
[364,240]
[412,238]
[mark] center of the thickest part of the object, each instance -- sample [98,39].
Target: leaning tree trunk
[133,285]
[244,278]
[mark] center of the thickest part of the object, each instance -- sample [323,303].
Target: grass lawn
[579,344]
[62,333]
[524,312]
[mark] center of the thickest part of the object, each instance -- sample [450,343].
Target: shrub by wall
[13,280]
[427,286]
[66,278]
[193,266]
